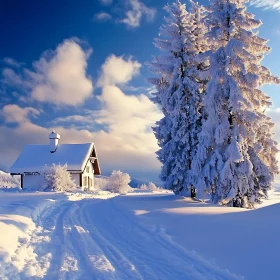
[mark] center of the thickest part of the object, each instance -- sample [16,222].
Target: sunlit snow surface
[136,236]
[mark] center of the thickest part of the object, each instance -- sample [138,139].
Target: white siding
[36,182]
[33,182]
[87,176]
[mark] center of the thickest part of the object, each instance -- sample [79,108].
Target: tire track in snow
[74,252]
[95,265]
[168,259]
[154,261]
[52,221]
[97,239]
[62,250]
[201,267]
[124,268]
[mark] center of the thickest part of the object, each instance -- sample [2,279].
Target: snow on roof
[34,158]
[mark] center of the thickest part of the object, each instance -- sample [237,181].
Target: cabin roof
[34,158]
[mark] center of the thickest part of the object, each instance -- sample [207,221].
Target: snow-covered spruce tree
[236,155]
[179,94]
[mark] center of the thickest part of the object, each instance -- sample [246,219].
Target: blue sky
[79,67]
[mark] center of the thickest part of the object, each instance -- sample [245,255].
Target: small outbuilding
[81,160]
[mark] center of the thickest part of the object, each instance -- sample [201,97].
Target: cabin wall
[36,181]
[33,182]
[88,177]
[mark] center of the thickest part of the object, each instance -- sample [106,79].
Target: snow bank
[19,213]
[188,237]
[246,242]
[21,218]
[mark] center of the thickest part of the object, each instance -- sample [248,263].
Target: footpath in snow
[136,236]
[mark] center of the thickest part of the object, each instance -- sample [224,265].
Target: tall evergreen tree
[178,94]
[235,161]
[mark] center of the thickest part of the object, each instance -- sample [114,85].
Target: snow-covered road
[99,239]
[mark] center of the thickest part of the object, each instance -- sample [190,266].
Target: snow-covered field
[135,236]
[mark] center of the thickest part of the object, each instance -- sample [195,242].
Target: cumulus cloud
[74,118]
[133,114]
[121,129]
[106,2]
[59,77]
[128,126]
[11,78]
[12,62]
[14,114]
[102,16]
[135,13]
[130,153]
[267,4]
[118,70]
[127,119]
[274,113]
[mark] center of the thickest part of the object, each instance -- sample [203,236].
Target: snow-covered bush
[7,181]
[100,183]
[150,187]
[57,178]
[118,182]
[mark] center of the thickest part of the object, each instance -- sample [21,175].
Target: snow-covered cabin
[81,160]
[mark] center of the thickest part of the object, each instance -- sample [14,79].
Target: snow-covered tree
[236,160]
[150,187]
[118,182]
[100,183]
[57,178]
[179,94]
[9,181]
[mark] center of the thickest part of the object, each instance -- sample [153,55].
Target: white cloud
[14,114]
[102,16]
[137,10]
[127,119]
[59,77]
[73,118]
[106,2]
[267,4]
[128,152]
[12,62]
[133,114]
[125,140]
[117,70]
[274,114]
[11,78]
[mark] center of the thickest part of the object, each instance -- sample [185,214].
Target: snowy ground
[135,236]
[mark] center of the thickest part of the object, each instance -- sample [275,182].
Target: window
[87,169]
[85,181]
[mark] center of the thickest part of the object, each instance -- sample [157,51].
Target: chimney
[54,137]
